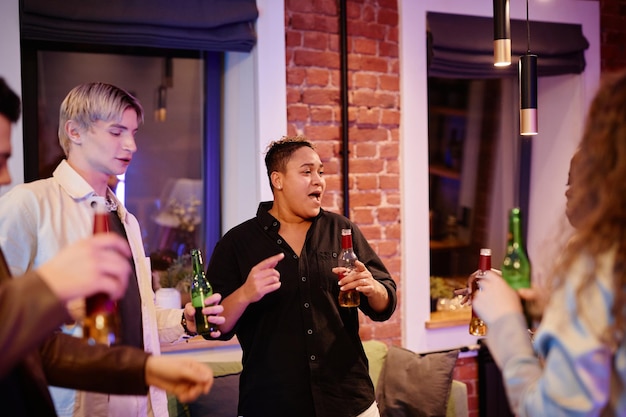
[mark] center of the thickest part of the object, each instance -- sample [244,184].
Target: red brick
[368,63]
[296,76]
[293,38]
[368,14]
[388,4]
[317,76]
[333,42]
[322,96]
[305,21]
[363,215]
[316,59]
[389,82]
[325,150]
[364,80]
[293,95]
[392,35]
[366,116]
[393,231]
[388,214]
[387,248]
[321,114]
[366,182]
[319,132]
[390,117]
[389,150]
[366,29]
[363,134]
[315,40]
[367,166]
[388,17]
[389,182]
[392,167]
[366,199]
[374,99]
[297,112]
[365,150]
[354,10]
[364,46]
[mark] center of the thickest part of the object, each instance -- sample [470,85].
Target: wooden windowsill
[196,343]
[442,319]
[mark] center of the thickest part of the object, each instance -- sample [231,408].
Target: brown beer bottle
[347,258]
[101,323]
[477,327]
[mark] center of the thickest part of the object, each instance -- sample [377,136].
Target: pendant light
[167,81]
[501,34]
[528,88]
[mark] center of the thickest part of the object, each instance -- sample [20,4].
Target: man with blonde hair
[97,127]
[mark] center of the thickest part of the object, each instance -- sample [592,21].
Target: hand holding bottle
[213,311]
[97,264]
[495,298]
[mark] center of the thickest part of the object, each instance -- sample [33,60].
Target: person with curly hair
[577,365]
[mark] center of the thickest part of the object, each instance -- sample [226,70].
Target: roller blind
[462,47]
[206,25]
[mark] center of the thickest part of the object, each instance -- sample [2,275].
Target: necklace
[110,204]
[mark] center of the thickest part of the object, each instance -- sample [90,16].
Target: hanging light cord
[527,28]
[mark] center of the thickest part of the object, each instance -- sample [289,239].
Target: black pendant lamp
[501,34]
[528,89]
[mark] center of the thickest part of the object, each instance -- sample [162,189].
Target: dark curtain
[462,47]
[213,69]
[206,25]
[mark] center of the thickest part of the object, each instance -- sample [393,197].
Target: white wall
[10,71]
[255,85]
[559,129]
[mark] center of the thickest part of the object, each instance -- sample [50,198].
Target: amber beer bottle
[101,323]
[478,327]
[347,259]
[200,290]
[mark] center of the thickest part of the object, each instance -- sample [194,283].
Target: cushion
[376,352]
[415,385]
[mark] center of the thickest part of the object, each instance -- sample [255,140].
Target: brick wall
[313,109]
[612,35]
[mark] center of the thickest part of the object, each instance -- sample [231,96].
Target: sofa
[407,384]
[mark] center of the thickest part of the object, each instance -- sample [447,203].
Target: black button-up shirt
[302,355]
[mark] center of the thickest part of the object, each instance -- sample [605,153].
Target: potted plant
[439,288]
[172,279]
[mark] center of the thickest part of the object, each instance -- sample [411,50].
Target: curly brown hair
[598,199]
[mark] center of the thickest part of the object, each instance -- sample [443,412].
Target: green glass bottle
[516,266]
[200,290]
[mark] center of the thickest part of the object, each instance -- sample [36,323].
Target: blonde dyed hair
[88,103]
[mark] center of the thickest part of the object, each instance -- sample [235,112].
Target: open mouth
[316,195]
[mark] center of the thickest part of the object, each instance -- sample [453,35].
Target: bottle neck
[196,262]
[484,262]
[346,241]
[515,230]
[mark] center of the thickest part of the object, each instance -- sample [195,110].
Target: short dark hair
[10,104]
[279,152]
